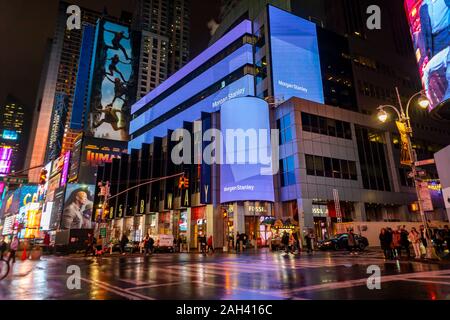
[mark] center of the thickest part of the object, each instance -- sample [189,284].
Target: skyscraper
[12,131]
[164,40]
[59,80]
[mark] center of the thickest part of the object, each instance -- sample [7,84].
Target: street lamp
[405,130]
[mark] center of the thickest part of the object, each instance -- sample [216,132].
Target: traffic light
[43,177]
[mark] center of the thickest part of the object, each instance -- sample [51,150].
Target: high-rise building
[164,42]
[13,133]
[59,79]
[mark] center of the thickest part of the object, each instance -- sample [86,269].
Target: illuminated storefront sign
[295,57]
[429,22]
[243,176]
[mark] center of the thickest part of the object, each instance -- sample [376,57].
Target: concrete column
[209,221]
[239,219]
[360,211]
[305,208]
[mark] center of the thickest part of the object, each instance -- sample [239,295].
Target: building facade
[336,163]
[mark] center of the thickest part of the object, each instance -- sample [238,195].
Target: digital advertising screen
[56,209]
[111,83]
[429,22]
[295,57]
[5,160]
[78,206]
[246,165]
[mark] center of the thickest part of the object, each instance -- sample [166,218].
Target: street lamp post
[404,119]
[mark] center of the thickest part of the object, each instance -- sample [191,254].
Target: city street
[248,276]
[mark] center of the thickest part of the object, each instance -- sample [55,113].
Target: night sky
[25,25]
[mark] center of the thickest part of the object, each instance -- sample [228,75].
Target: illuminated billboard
[78,206]
[295,57]
[10,135]
[111,87]
[429,22]
[5,160]
[245,172]
[96,152]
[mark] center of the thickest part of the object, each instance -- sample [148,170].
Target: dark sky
[25,25]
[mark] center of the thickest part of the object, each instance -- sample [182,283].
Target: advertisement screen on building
[96,152]
[56,209]
[111,83]
[246,169]
[10,135]
[295,57]
[78,206]
[429,22]
[5,160]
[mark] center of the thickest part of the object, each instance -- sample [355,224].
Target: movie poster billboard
[78,207]
[112,84]
[429,22]
[55,209]
[96,152]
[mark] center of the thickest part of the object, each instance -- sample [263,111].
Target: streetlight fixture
[410,156]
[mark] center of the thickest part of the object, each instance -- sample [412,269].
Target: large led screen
[429,22]
[295,57]
[78,206]
[246,151]
[111,85]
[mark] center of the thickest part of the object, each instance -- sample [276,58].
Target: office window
[284,125]
[326,126]
[330,168]
[287,169]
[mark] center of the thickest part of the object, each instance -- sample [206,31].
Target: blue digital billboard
[246,164]
[10,135]
[295,57]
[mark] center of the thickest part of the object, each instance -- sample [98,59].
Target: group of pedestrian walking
[13,247]
[394,241]
[241,242]
[291,243]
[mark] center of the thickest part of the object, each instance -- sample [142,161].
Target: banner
[405,154]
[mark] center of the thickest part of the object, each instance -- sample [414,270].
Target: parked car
[340,242]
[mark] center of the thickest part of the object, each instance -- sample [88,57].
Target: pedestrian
[46,242]
[244,241]
[389,245]
[210,244]
[13,247]
[308,240]
[404,242]
[2,247]
[414,238]
[396,243]
[296,242]
[423,236]
[383,243]
[179,243]
[123,242]
[88,245]
[351,242]
[149,245]
[285,241]
[203,243]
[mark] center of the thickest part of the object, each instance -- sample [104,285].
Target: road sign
[14,180]
[424,162]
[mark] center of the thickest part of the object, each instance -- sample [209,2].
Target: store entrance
[320,228]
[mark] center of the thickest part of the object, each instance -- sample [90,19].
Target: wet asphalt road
[262,276]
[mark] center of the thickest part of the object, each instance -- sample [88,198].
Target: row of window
[284,126]
[326,126]
[287,171]
[330,167]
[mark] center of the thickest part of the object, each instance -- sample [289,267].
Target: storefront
[278,229]
[198,225]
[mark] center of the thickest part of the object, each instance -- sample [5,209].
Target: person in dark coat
[149,245]
[404,241]
[285,241]
[3,247]
[383,243]
[123,243]
[308,240]
[389,243]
